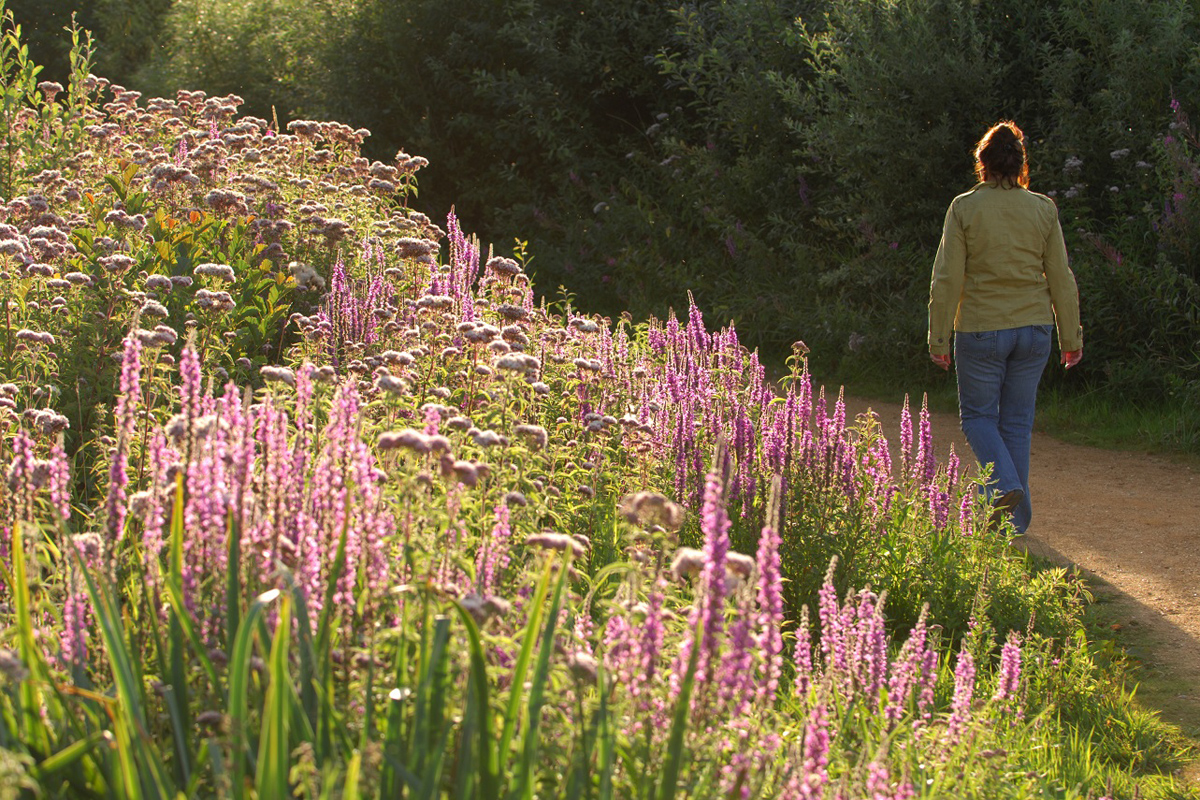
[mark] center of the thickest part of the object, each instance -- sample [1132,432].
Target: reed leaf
[512,711]
[68,757]
[140,770]
[350,790]
[271,778]
[537,691]
[479,713]
[239,679]
[36,732]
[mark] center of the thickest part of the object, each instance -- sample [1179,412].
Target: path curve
[1131,522]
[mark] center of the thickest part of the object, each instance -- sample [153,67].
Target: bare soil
[1130,522]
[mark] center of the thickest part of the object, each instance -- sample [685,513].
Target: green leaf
[537,689]
[512,711]
[239,679]
[479,710]
[271,778]
[70,755]
[140,773]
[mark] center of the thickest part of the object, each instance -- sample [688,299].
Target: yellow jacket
[1002,264]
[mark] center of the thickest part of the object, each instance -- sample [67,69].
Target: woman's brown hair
[1000,155]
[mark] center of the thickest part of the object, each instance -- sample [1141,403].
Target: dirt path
[1131,523]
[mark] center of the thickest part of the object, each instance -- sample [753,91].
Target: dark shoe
[1004,507]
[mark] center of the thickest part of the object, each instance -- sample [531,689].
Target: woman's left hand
[942,360]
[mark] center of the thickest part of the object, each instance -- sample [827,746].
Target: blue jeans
[998,375]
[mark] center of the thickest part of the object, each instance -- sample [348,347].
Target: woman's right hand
[1072,357]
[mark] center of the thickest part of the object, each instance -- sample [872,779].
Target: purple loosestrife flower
[77,608]
[939,507]
[650,643]
[160,459]
[126,420]
[770,614]
[191,398]
[60,482]
[493,556]
[22,483]
[204,519]
[708,610]
[964,692]
[275,488]
[464,264]
[835,632]
[814,769]
[906,440]
[744,444]
[928,682]
[348,498]
[906,668]
[242,451]
[879,784]
[966,515]
[698,336]
[870,643]
[1008,682]
[620,648]
[736,678]
[926,463]
[803,656]
[331,493]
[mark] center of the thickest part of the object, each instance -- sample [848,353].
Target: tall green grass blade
[608,739]
[49,768]
[350,789]
[431,777]
[179,736]
[537,691]
[674,760]
[233,578]
[581,776]
[239,679]
[325,622]
[179,629]
[203,756]
[175,553]
[140,768]
[464,775]
[324,649]
[182,620]
[479,715]
[430,697]
[512,711]
[307,653]
[393,768]
[271,778]
[35,731]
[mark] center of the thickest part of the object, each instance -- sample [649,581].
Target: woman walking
[1001,283]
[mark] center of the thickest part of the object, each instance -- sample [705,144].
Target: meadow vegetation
[788,162]
[307,495]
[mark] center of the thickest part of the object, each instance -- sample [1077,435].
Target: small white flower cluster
[222,271]
[305,276]
[218,301]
